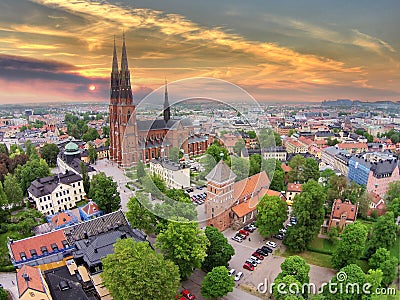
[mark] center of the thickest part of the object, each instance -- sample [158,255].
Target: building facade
[56,193]
[174,174]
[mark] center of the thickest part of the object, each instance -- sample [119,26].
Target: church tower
[220,182]
[123,133]
[167,110]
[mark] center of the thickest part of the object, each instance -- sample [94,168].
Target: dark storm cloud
[21,68]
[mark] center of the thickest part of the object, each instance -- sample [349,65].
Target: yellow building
[31,284]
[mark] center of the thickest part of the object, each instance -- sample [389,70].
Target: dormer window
[54,247]
[22,255]
[44,250]
[33,252]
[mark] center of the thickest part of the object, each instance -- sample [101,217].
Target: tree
[333,235]
[85,178]
[278,181]
[268,138]
[296,266]
[219,251]
[351,276]
[19,160]
[217,283]
[287,287]
[374,278]
[127,276]
[140,171]
[159,183]
[185,244]
[297,164]
[383,234]
[3,149]
[215,151]
[394,207]
[92,153]
[240,166]
[271,214]
[326,175]
[105,131]
[309,209]
[49,153]
[351,245]
[252,134]
[393,192]
[3,294]
[90,135]
[176,204]
[382,260]
[104,191]
[364,204]
[255,164]
[174,154]
[32,170]
[239,146]
[140,214]
[13,190]
[311,170]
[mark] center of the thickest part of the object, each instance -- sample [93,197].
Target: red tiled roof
[294,187]
[90,208]
[34,281]
[246,207]
[250,185]
[61,218]
[352,146]
[36,242]
[340,208]
[286,168]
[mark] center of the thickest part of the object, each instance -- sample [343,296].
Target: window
[33,252]
[22,255]
[44,250]
[54,247]
[65,243]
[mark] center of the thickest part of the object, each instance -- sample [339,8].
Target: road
[7,279]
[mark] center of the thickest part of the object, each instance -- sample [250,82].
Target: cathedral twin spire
[121,91]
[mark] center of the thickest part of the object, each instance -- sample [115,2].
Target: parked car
[278,236]
[231,272]
[262,252]
[199,188]
[188,295]
[248,266]
[239,275]
[271,244]
[180,297]
[258,255]
[244,232]
[241,236]
[282,231]
[255,259]
[251,262]
[237,239]
[266,248]
[249,228]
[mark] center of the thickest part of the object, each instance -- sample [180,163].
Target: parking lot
[269,268]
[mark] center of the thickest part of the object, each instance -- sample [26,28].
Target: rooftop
[221,173]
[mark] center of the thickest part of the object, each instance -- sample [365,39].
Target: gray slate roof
[146,125]
[221,173]
[45,186]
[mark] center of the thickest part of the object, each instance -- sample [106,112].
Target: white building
[175,175]
[56,193]
[278,153]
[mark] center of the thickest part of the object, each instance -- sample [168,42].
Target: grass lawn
[322,244]
[314,258]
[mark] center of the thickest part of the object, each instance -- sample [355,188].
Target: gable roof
[340,208]
[46,185]
[36,243]
[29,278]
[294,187]
[221,173]
[250,185]
[90,208]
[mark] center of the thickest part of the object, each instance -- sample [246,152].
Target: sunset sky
[61,50]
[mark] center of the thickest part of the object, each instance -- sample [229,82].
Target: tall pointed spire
[125,95]
[114,89]
[167,110]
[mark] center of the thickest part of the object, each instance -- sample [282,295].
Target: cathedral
[132,140]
